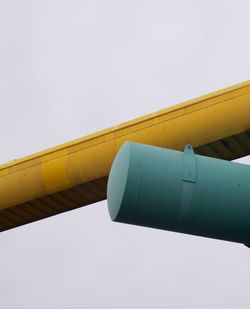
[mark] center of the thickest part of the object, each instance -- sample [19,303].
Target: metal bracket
[189,164]
[188,180]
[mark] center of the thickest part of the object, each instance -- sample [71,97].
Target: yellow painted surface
[199,122]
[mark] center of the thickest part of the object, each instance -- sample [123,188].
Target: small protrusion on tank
[188,149]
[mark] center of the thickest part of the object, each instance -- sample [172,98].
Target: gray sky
[70,68]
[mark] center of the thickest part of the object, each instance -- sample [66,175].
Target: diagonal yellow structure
[75,174]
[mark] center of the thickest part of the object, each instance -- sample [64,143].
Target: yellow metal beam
[75,174]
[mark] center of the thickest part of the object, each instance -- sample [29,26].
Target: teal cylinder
[181,192]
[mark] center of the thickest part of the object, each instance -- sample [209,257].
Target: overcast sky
[70,68]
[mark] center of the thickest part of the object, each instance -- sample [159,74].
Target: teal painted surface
[181,192]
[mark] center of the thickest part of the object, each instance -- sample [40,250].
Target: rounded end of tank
[117,180]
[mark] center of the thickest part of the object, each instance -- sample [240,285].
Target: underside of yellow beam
[75,174]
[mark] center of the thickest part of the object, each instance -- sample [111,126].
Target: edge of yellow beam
[127,124]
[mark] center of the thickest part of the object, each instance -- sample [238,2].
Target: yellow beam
[75,174]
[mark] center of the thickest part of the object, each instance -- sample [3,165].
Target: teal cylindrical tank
[181,192]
